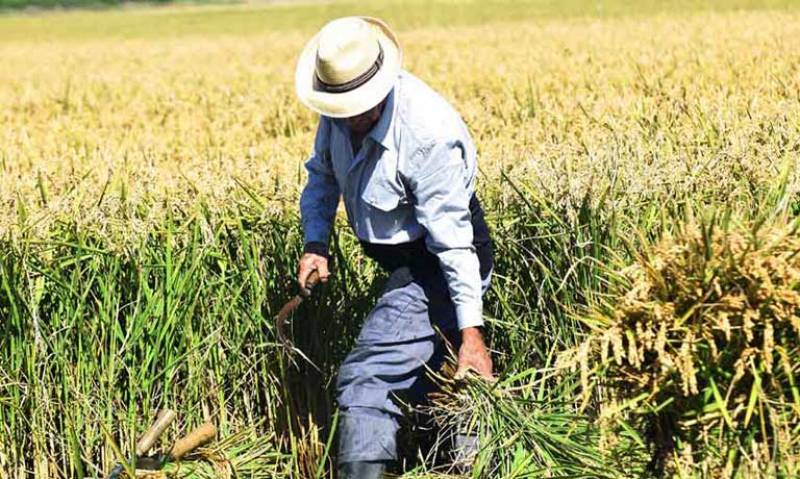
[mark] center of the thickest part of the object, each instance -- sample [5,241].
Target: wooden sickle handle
[163,421]
[311,282]
[200,436]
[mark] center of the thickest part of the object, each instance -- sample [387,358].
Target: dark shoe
[361,470]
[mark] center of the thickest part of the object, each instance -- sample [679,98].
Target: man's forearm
[462,272]
[318,205]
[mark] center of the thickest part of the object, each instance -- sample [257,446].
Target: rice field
[639,168]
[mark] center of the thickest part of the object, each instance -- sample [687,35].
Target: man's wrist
[472,333]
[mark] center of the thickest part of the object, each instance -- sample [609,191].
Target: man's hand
[308,263]
[473,355]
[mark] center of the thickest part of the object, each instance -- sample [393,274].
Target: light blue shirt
[414,174]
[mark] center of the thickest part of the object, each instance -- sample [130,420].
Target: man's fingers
[486,370]
[304,273]
[483,370]
[309,263]
[322,268]
[489,376]
[462,372]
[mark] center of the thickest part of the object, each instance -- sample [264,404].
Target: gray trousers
[396,346]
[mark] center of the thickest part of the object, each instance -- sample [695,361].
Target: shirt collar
[383,131]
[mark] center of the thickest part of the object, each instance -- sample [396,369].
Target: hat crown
[348,47]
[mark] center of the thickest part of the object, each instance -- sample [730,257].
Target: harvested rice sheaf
[700,341]
[517,435]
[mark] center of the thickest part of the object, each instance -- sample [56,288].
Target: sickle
[286,311]
[146,442]
[183,446]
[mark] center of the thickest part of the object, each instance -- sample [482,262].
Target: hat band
[355,82]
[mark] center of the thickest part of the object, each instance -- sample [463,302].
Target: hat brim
[354,102]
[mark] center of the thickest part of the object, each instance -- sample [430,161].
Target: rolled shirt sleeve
[320,197]
[441,205]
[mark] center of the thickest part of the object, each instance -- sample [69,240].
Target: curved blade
[287,309]
[280,327]
[151,463]
[280,320]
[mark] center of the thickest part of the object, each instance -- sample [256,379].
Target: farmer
[404,162]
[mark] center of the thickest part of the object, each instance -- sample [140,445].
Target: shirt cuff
[469,315]
[316,247]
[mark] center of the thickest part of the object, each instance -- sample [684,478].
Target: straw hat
[348,67]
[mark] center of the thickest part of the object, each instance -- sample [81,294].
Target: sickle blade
[280,320]
[280,327]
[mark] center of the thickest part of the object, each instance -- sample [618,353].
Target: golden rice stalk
[705,324]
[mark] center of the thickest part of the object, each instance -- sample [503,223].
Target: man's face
[364,122]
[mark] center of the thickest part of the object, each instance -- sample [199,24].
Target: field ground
[151,161]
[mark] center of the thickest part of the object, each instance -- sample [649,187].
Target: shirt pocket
[381,198]
[383,190]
